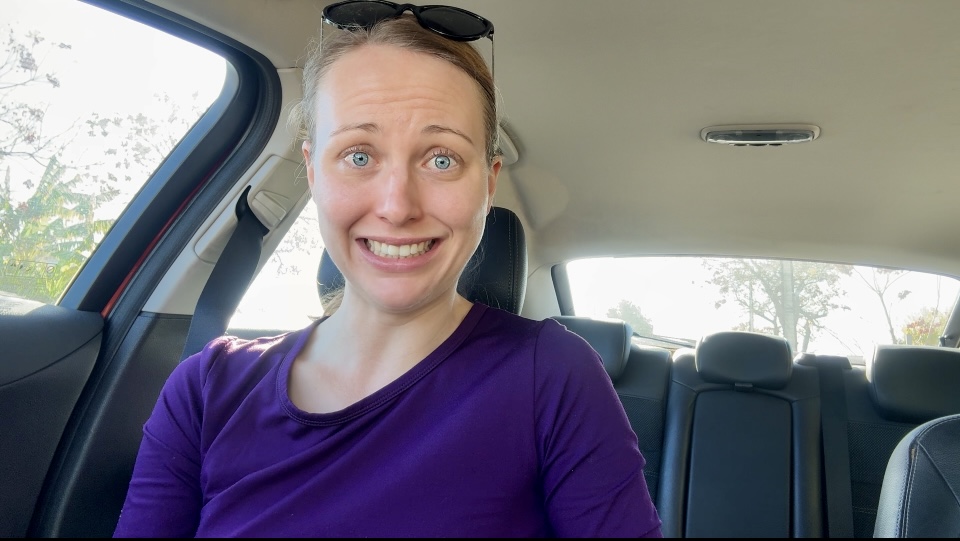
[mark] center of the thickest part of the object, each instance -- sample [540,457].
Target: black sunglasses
[450,22]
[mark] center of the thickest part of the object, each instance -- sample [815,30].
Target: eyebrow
[373,128]
[364,126]
[435,128]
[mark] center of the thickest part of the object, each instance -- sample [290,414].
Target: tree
[790,297]
[21,123]
[46,239]
[924,328]
[302,238]
[631,313]
[881,283]
[48,227]
[142,141]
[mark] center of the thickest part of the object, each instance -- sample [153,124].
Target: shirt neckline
[381,396]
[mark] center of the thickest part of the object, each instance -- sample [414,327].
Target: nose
[399,198]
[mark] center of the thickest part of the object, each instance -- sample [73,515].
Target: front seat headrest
[496,274]
[610,338]
[914,384]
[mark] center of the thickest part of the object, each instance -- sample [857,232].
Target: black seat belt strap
[228,281]
[836,453]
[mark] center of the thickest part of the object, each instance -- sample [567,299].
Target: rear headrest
[914,384]
[496,275]
[740,357]
[610,338]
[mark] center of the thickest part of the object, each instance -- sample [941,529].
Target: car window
[818,307]
[284,295]
[90,104]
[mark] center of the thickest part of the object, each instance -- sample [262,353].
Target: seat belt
[228,281]
[836,451]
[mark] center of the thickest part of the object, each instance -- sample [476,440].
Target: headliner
[605,101]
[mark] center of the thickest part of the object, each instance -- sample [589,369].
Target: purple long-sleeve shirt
[511,428]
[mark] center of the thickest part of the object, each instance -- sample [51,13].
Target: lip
[391,264]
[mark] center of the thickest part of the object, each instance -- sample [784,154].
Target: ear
[492,181]
[308,162]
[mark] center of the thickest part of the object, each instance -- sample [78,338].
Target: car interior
[821,131]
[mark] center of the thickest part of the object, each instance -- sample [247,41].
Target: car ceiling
[605,101]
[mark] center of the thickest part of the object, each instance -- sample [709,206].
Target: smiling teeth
[383,249]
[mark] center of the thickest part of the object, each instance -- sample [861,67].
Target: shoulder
[232,361]
[508,325]
[548,340]
[204,390]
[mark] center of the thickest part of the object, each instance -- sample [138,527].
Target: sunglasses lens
[454,23]
[363,14]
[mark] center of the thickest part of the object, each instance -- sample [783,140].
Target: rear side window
[818,307]
[91,104]
[284,295]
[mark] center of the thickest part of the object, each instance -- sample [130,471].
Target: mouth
[399,251]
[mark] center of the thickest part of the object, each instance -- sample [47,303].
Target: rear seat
[900,388]
[640,375]
[731,430]
[642,387]
[742,441]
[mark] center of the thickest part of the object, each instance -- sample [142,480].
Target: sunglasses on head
[450,22]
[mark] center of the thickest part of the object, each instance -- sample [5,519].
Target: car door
[83,353]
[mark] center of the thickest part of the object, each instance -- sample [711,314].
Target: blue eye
[360,159]
[442,162]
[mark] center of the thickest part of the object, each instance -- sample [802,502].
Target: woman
[409,411]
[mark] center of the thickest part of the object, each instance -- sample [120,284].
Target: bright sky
[114,67]
[674,294]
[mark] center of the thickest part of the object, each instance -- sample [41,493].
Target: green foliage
[50,226]
[631,313]
[46,239]
[925,327]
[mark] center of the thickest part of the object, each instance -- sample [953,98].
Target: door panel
[48,354]
[87,485]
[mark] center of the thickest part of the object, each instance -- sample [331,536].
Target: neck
[362,338]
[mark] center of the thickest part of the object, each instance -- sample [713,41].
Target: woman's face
[398,171]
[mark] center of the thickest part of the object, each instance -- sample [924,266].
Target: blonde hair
[406,33]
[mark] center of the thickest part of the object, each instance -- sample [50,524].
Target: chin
[402,305]
[399,294]
[398,299]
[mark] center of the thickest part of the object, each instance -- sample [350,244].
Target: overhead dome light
[760,135]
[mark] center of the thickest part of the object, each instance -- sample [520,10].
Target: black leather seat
[742,441]
[915,384]
[610,338]
[640,375]
[899,388]
[921,487]
[910,386]
[496,274]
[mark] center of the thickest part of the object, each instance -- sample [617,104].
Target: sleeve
[591,467]
[164,497]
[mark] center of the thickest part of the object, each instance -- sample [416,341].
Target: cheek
[464,206]
[337,206]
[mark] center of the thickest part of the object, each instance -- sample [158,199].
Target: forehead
[389,80]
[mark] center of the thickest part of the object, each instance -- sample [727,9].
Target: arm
[591,467]
[164,498]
